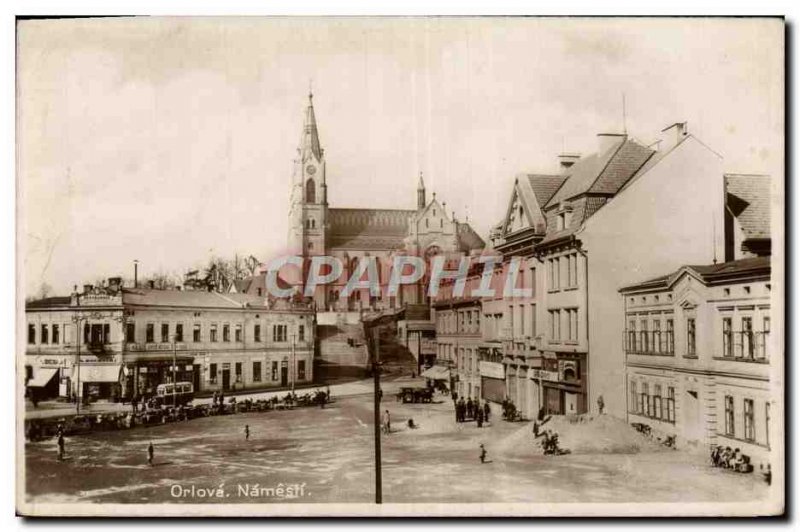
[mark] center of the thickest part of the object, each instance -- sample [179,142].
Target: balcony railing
[745,345]
[649,342]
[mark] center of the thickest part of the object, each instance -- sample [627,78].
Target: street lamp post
[294,362]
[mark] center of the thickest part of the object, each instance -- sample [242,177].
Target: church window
[310,191]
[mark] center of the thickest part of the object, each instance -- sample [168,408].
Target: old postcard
[426,266]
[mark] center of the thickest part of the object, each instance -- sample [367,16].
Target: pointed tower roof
[421,185]
[309,142]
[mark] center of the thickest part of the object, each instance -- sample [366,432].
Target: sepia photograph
[400,266]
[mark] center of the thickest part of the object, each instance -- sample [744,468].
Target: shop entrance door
[570,403]
[552,397]
[284,375]
[226,379]
[196,377]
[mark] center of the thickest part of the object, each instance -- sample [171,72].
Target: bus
[183,393]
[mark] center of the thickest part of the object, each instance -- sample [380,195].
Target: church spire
[309,143]
[421,193]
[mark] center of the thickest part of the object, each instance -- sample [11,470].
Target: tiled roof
[622,166]
[468,239]
[47,302]
[189,298]
[603,173]
[544,186]
[748,198]
[368,228]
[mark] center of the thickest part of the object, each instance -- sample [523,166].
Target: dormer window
[563,217]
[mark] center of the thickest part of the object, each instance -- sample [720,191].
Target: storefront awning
[42,377]
[97,373]
[436,373]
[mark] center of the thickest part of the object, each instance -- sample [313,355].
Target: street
[326,455]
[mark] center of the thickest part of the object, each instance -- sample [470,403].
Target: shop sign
[543,375]
[51,362]
[494,370]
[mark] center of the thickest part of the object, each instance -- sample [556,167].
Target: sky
[169,140]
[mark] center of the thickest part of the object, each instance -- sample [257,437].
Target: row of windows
[745,343]
[257,373]
[656,406]
[564,321]
[51,334]
[520,324]
[460,321]
[653,340]
[279,333]
[562,272]
[749,420]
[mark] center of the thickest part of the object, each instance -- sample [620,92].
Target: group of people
[510,412]
[730,459]
[469,410]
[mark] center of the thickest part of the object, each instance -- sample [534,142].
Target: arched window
[311,192]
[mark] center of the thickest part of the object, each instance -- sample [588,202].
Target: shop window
[274,370]
[256,371]
[212,373]
[301,370]
[31,334]
[150,334]
[238,371]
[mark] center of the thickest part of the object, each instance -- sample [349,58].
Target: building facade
[700,356]
[135,339]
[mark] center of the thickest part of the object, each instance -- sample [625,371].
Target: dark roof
[748,198]
[468,239]
[189,298]
[47,302]
[544,186]
[603,173]
[735,270]
[368,228]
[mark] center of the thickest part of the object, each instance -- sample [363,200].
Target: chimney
[672,135]
[566,160]
[606,140]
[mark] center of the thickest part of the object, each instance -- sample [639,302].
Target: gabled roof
[545,186]
[748,198]
[603,173]
[740,270]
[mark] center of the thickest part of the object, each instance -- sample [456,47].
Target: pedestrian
[479,418]
[60,446]
[470,408]
[483,454]
[150,453]
[486,411]
[134,403]
[387,422]
[247,432]
[535,429]
[600,404]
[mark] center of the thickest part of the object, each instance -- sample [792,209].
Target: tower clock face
[311,170]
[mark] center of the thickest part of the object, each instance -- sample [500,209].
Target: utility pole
[294,362]
[136,273]
[174,369]
[376,367]
[78,394]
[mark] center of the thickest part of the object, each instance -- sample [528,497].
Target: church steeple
[421,193]
[309,143]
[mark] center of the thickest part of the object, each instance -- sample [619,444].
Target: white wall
[670,216]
